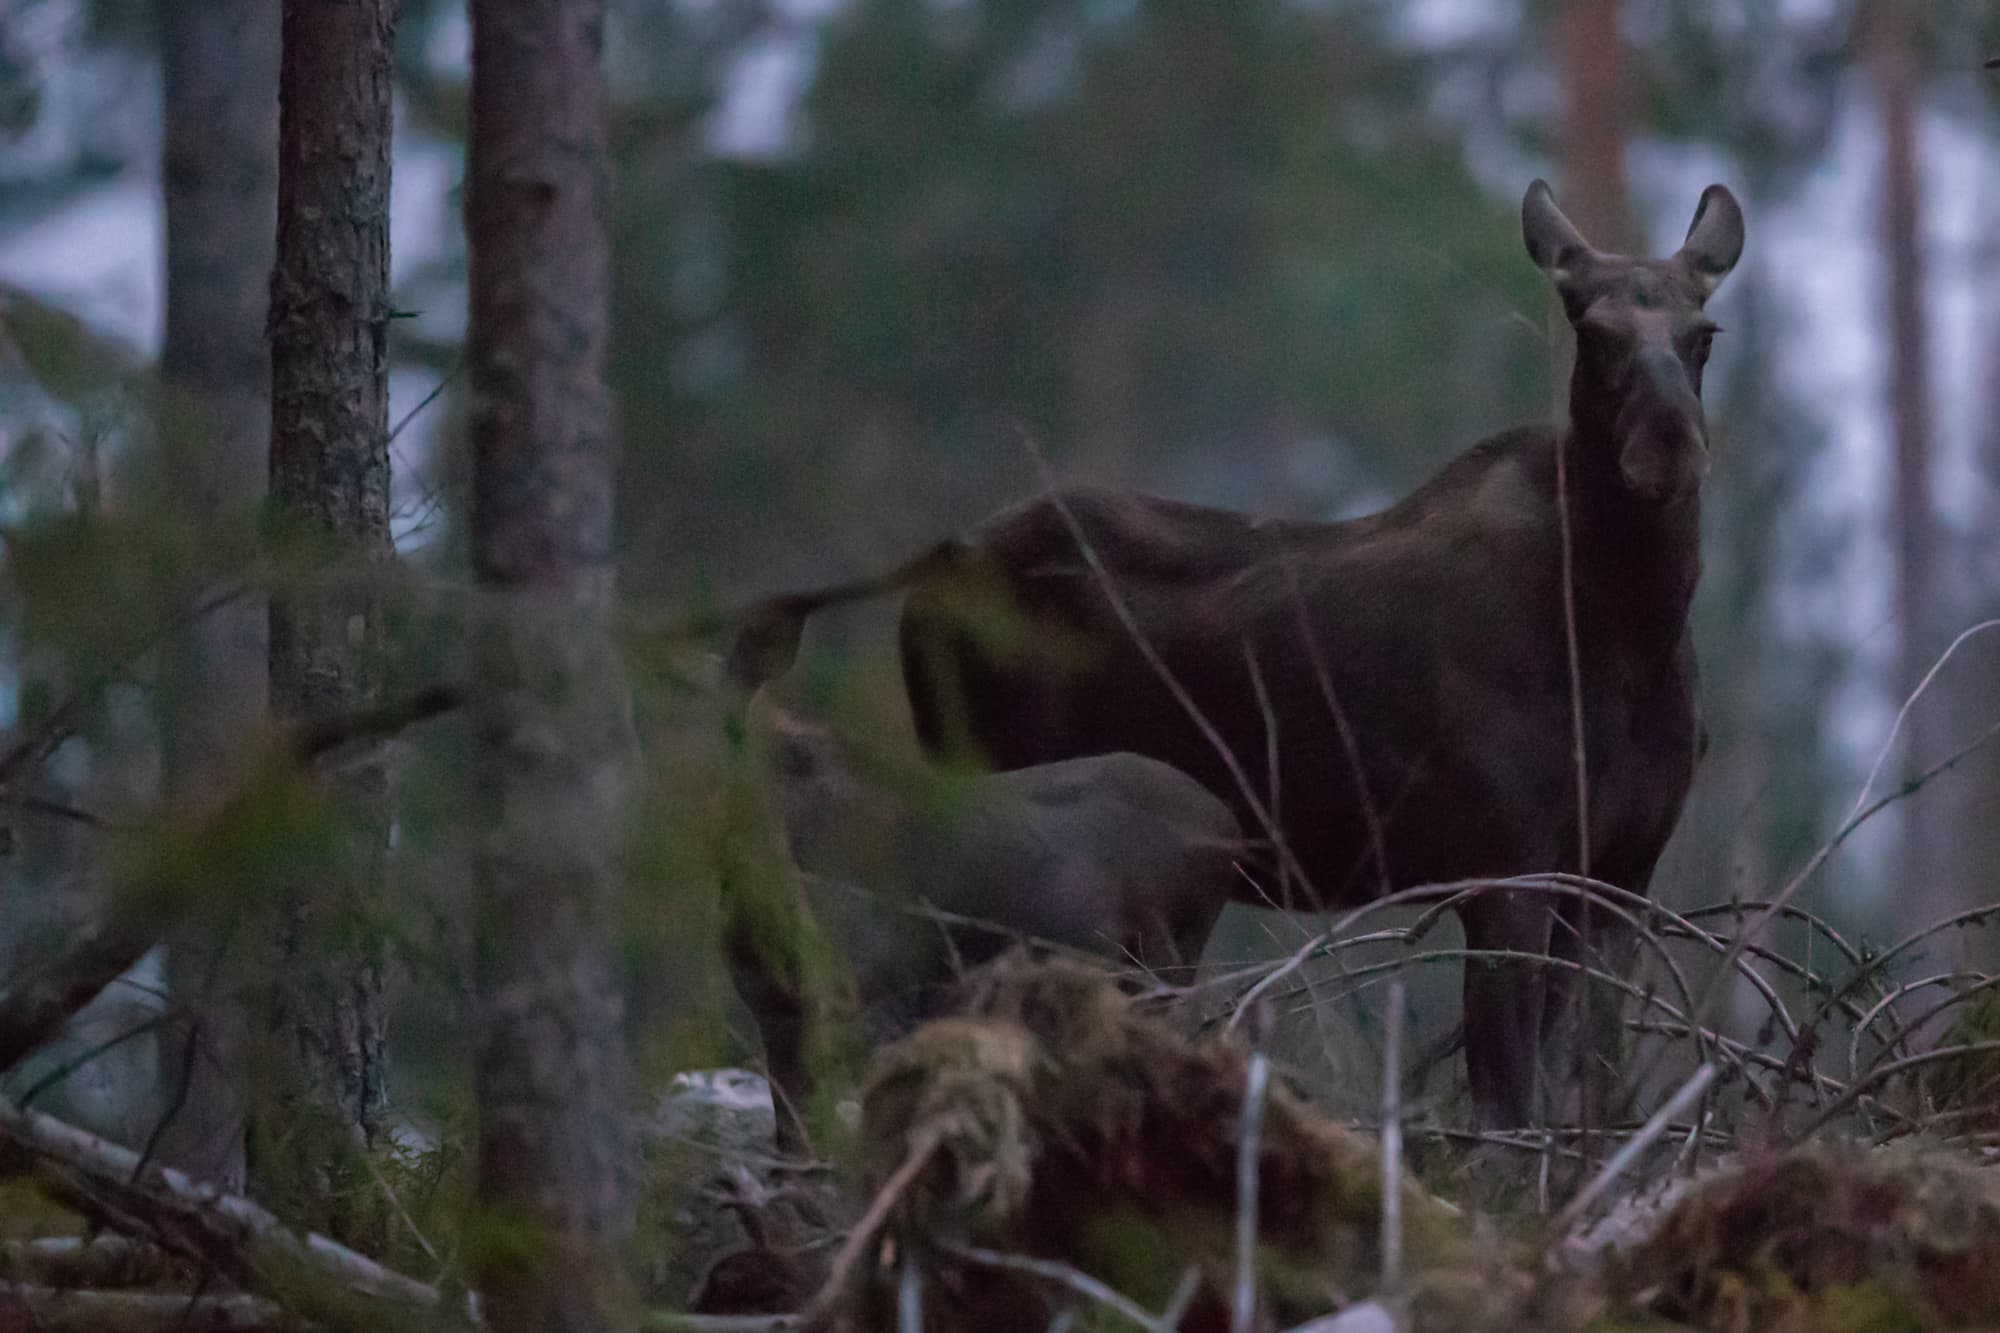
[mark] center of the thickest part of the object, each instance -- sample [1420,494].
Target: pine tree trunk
[1590,51]
[329,474]
[1974,676]
[1925,891]
[550,711]
[220,67]
[1591,59]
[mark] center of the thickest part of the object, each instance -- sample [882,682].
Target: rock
[725,1109]
[715,1196]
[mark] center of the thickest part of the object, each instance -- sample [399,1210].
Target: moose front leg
[1583,1021]
[1504,1005]
[774,994]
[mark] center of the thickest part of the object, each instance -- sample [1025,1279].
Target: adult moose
[1406,676]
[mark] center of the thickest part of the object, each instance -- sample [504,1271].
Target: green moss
[1877,1305]
[26,1212]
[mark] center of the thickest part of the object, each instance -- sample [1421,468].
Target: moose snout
[1663,453]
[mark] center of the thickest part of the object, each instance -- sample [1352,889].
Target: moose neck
[1636,560]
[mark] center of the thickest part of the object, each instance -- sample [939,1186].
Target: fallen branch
[58,1310]
[317,1277]
[84,1261]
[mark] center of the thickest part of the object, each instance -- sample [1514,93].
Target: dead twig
[28,753]
[1622,1160]
[909,1294]
[1071,1279]
[1148,650]
[1348,743]
[1392,1140]
[1179,1302]
[35,1008]
[819,1312]
[1257,1077]
[1861,814]
[1883,1073]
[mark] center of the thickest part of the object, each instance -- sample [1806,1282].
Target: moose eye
[1704,341]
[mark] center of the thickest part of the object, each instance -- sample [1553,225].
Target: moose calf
[912,877]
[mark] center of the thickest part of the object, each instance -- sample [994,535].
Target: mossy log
[1073,1127]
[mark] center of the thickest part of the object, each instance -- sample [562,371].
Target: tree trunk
[550,712]
[1591,61]
[329,474]
[219,76]
[1925,891]
[1975,680]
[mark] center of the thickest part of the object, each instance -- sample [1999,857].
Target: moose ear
[1714,240]
[1554,243]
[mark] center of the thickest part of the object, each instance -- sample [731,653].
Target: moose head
[1641,342]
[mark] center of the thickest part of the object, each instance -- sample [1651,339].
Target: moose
[1400,699]
[915,876]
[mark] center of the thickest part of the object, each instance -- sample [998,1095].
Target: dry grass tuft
[1079,1129]
[1828,1239]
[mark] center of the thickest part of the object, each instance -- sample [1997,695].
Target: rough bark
[329,476]
[220,66]
[1925,891]
[1591,60]
[549,706]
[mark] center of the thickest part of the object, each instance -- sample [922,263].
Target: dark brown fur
[1440,624]
[1116,855]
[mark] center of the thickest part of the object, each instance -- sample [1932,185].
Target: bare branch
[1622,1160]
[35,1008]
[1083,1284]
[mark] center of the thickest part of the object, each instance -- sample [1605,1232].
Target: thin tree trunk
[329,472]
[1925,891]
[1975,696]
[550,715]
[1591,60]
[220,67]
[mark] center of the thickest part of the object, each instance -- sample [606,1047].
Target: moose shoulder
[1394,692]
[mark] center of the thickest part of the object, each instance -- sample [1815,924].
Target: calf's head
[1641,341]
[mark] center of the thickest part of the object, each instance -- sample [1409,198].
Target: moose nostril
[1664,456]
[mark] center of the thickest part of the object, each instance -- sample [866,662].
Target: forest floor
[1062,1155]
